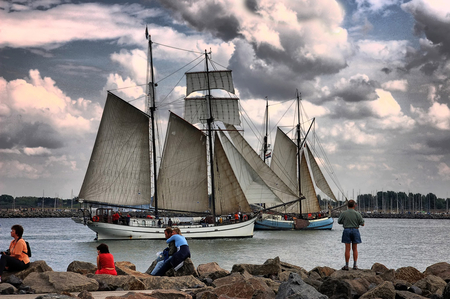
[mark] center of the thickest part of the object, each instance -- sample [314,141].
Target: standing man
[351,220]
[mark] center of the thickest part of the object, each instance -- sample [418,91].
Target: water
[393,242]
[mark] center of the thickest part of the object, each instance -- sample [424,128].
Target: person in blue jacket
[177,260]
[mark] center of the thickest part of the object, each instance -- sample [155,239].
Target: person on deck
[105,261]
[177,260]
[115,218]
[351,220]
[16,258]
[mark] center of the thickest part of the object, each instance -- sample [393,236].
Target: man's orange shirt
[19,248]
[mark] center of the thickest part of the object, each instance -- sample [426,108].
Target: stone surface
[431,284]
[295,287]
[410,274]
[176,283]
[269,268]
[37,266]
[7,288]
[379,268]
[440,269]
[127,268]
[335,288]
[187,269]
[385,290]
[407,295]
[323,271]
[53,282]
[81,267]
[446,292]
[211,270]
[158,294]
[113,282]
[85,295]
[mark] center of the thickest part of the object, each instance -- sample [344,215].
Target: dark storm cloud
[386,70]
[212,18]
[30,135]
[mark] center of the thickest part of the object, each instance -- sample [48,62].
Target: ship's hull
[144,230]
[278,224]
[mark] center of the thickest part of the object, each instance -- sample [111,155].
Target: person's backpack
[28,249]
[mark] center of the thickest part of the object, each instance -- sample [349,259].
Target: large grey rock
[85,295]
[211,270]
[336,288]
[167,283]
[431,284]
[7,288]
[410,274]
[407,295]
[285,267]
[187,269]
[385,290]
[295,287]
[81,267]
[446,292]
[157,294]
[37,266]
[440,269]
[54,282]
[323,271]
[127,268]
[271,267]
[113,282]
[379,268]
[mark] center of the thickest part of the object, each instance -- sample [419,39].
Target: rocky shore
[273,279]
[39,213]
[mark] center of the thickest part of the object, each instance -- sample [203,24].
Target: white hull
[139,230]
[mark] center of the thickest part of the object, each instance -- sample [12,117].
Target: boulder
[211,270]
[125,265]
[113,282]
[53,282]
[12,279]
[271,267]
[389,275]
[81,267]
[7,288]
[158,294]
[176,283]
[336,288]
[323,271]
[237,289]
[385,290]
[187,269]
[295,287]
[85,295]
[127,268]
[440,269]
[37,266]
[446,292]
[402,285]
[407,295]
[410,274]
[431,284]
[379,268]
[285,267]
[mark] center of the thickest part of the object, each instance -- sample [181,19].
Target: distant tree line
[26,202]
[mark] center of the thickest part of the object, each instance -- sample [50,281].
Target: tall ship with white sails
[120,169]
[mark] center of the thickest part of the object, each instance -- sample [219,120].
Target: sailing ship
[288,181]
[119,171]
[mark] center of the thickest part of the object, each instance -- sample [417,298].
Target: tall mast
[267,128]
[298,152]
[211,158]
[152,107]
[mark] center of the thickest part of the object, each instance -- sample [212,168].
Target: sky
[374,74]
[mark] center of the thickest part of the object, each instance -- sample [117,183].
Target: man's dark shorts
[351,235]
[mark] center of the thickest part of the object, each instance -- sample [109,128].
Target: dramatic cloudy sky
[374,73]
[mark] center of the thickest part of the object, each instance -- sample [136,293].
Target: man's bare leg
[355,253]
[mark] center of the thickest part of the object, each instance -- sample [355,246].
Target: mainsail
[196,110]
[182,180]
[311,203]
[119,168]
[198,81]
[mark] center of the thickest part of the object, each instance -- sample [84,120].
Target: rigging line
[181,69]
[176,48]
[126,87]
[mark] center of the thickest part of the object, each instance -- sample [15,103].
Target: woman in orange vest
[16,258]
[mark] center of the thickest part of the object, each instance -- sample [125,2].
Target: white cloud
[385,105]
[16,169]
[36,151]
[396,85]
[387,51]
[437,116]
[444,171]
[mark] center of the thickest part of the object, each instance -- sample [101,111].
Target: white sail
[197,81]
[319,178]
[284,160]
[310,204]
[119,168]
[229,196]
[255,189]
[182,180]
[278,187]
[223,109]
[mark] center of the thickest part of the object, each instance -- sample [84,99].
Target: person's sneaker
[345,268]
[355,268]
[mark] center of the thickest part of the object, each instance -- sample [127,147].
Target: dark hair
[168,230]
[18,229]
[351,203]
[103,248]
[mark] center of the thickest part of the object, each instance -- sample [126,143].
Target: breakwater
[39,213]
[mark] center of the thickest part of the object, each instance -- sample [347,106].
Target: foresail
[182,180]
[319,178]
[311,203]
[119,168]
[278,187]
[197,81]
[284,160]
[223,109]
[229,196]
[255,189]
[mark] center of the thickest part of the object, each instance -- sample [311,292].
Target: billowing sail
[119,169]
[277,186]
[223,109]
[197,81]
[182,180]
[229,196]
[319,178]
[284,160]
[310,204]
[255,189]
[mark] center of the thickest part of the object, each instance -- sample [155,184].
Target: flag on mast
[146,32]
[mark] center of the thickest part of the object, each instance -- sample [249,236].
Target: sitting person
[177,259]
[16,257]
[167,253]
[105,261]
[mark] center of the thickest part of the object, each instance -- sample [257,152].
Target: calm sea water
[393,242]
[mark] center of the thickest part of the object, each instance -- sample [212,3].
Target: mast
[298,152]
[211,158]
[152,107]
[266,133]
